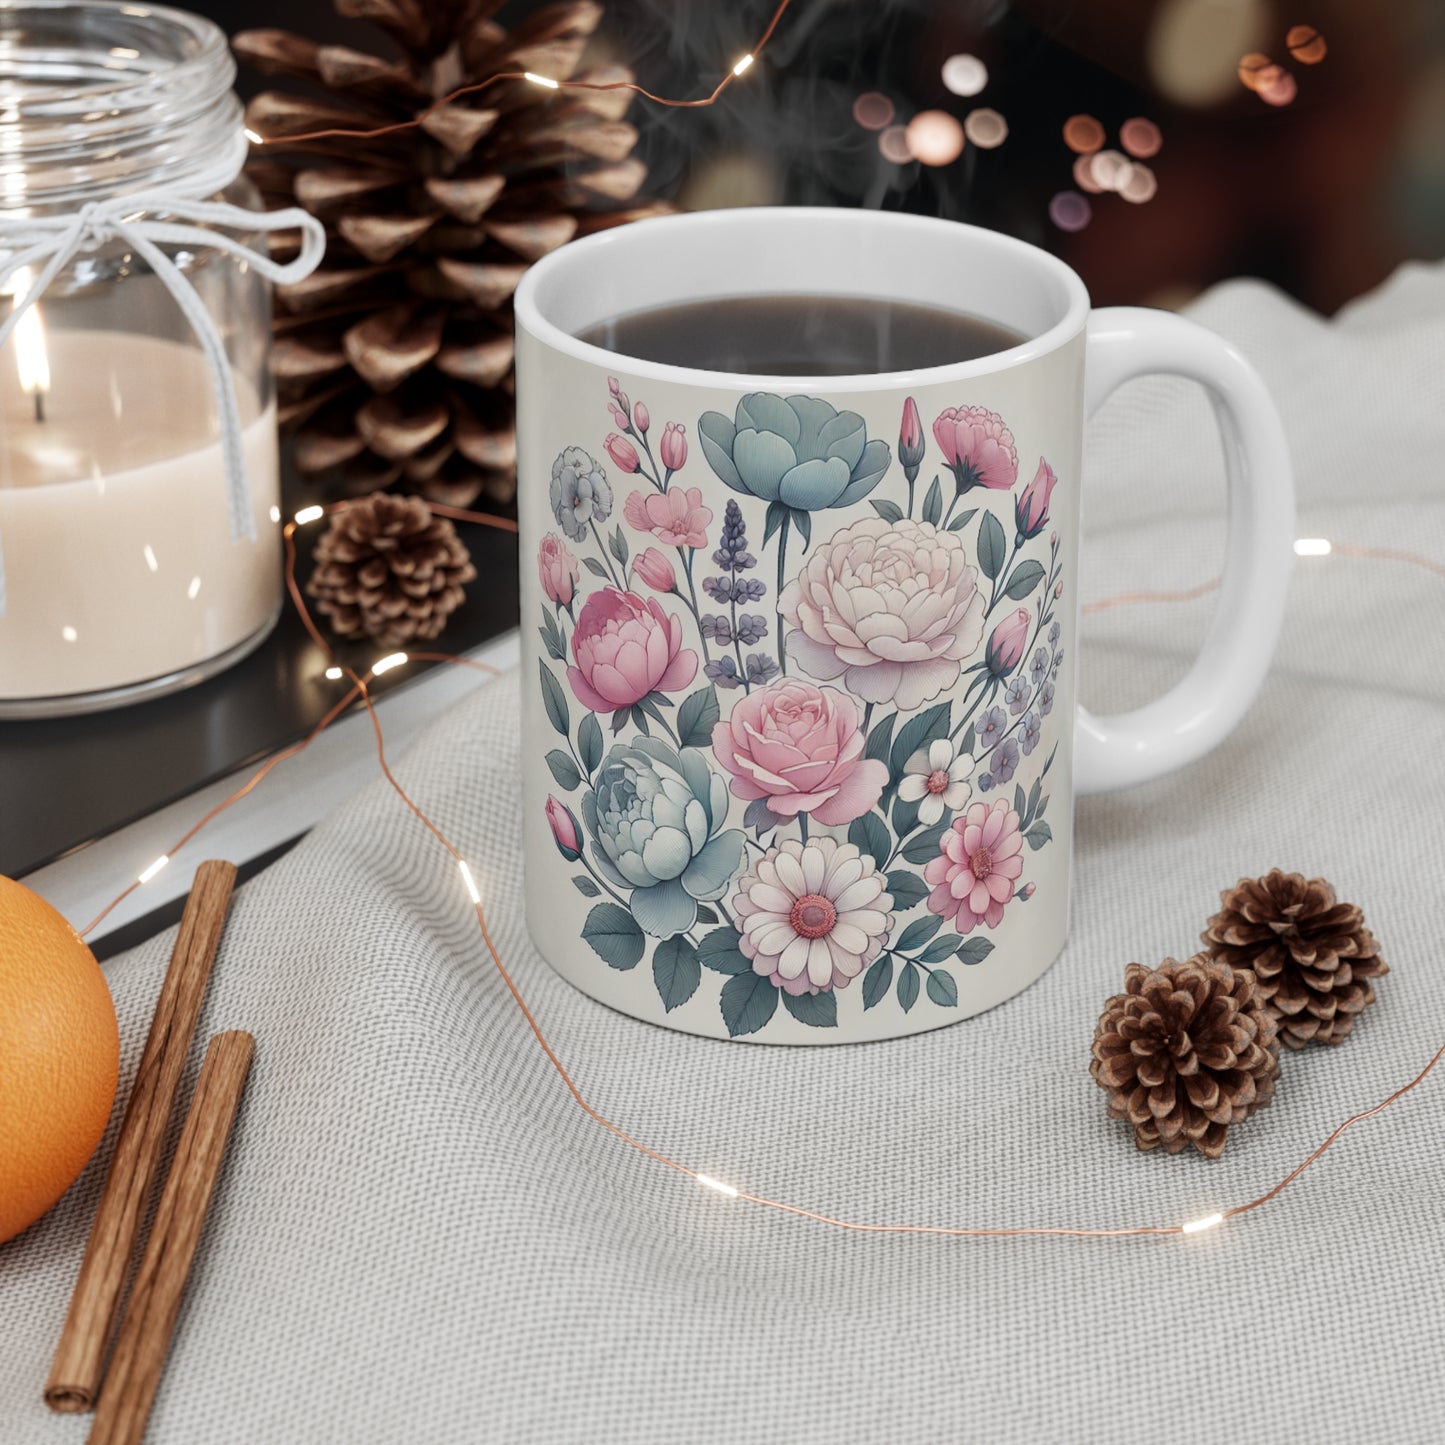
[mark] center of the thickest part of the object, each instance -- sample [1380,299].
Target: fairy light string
[546,82]
[360,691]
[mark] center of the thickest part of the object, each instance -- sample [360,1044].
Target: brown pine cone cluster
[1187,1050]
[387,569]
[1312,956]
[394,359]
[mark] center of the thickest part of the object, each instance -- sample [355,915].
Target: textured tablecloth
[419,1238]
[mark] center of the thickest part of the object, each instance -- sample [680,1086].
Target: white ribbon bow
[52,242]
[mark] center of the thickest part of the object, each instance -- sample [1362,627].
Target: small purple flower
[716,629]
[723,672]
[1039,667]
[749,589]
[985,782]
[1017,696]
[1054,635]
[1029,738]
[720,589]
[761,668]
[989,728]
[1004,760]
[1046,699]
[1058,658]
[752,628]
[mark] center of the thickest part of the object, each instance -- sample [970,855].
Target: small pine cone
[1313,957]
[388,570]
[1185,1051]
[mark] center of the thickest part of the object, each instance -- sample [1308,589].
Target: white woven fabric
[419,1237]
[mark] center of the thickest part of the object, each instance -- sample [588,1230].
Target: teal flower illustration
[796,453]
[655,817]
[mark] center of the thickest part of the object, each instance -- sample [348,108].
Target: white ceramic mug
[800,744]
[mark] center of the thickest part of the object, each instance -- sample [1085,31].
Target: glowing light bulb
[333,674]
[385,664]
[710,1183]
[469,880]
[256,140]
[544,80]
[1313,547]
[154,868]
[309,514]
[742,64]
[1196,1225]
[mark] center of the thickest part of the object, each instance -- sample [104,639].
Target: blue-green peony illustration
[654,817]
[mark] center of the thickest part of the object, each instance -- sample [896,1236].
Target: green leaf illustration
[925,728]
[879,738]
[719,951]
[586,887]
[973,950]
[992,546]
[962,520]
[933,504]
[1038,835]
[617,545]
[908,889]
[918,933]
[697,717]
[777,514]
[817,1010]
[596,568]
[870,836]
[889,511]
[563,769]
[554,700]
[589,742]
[675,971]
[908,987]
[938,950]
[942,989]
[876,981]
[1026,576]
[614,936]
[923,847]
[748,1001]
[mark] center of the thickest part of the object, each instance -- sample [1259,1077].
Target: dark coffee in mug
[801,335]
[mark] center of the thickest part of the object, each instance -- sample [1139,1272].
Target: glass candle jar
[130,568]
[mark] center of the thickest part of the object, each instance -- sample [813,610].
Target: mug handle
[1199,711]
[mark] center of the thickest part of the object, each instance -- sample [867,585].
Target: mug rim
[530,300]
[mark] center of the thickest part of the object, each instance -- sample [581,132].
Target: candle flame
[30,355]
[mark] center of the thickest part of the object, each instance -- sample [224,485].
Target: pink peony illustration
[676,516]
[557,568]
[978,447]
[655,570]
[624,648]
[891,608]
[673,447]
[813,915]
[800,747]
[978,864]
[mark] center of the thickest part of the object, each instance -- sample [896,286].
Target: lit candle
[113,517]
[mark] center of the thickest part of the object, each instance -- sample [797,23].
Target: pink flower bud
[641,418]
[1026,892]
[1031,506]
[614,386]
[564,829]
[1007,644]
[622,452]
[1058,590]
[1053,539]
[618,415]
[910,439]
[655,570]
[673,448]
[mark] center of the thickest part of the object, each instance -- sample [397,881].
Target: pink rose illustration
[624,648]
[800,747]
[676,516]
[891,608]
[812,915]
[557,568]
[1031,506]
[978,447]
[977,866]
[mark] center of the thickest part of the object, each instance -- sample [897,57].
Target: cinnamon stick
[155,1298]
[75,1372]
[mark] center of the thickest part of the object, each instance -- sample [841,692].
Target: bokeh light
[1251,67]
[965,74]
[1276,86]
[1083,134]
[1140,137]
[1070,211]
[1194,46]
[1306,44]
[1084,175]
[1110,170]
[1139,185]
[985,128]
[893,142]
[934,137]
[873,110]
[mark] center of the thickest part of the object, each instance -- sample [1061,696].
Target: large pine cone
[1312,956]
[1185,1051]
[394,360]
[388,570]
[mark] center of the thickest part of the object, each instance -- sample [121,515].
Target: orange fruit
[59,1056]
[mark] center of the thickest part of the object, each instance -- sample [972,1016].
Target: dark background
[1323,196]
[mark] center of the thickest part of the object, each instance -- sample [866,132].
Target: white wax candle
[114,523]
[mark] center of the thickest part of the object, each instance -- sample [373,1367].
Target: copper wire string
[372,133]
[359,690]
